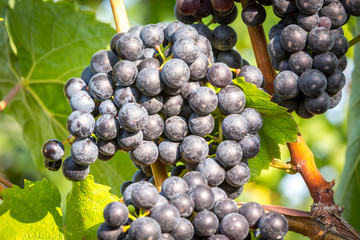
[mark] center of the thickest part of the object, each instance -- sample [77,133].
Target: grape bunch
[164,93]
[308,49]
[186,208]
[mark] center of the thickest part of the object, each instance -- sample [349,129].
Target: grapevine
[193,116]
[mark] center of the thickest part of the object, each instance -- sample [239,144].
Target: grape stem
[4,184]
[10,95]
[120,15]
[132,217]
[125,228]
[211,22]
[286,167]
[70,140]
[122,25]
[354,41]
[160,51]
[236,71]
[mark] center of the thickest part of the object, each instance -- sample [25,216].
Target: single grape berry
[252,74]
[175,73]
[82,101]
[308,22]
[312,82]
[73,85]
[194,149]
[52,150]
[205,223]
[80,124]
[201,125]
[145,154]
[149,82]
[168,217]
[183,231]
[52,165]
[188,7]
[183,203]
[299,62]
[234,226]
[212,171]
[133,117]
[253,14]
[84,152]
[203,100]
[124,73]
[234,127]
[273,225]
[250,145]
[286,84]
[105,232]
[202,196]
[103,61]
[186,49]
[326,63]
[73,171]
[224,38]
[176,128]
[252,211]
[130,47]
[320,40]
[224,207]
[169,152]
[318,105]
[231,100]
[309,6]
[152,35]
[144,228]
[144,195]
[293,38]
[116,214]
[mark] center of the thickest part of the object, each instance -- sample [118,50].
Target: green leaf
[84,208]
[34,212]
[51,42]
[31,213]
[348,193]
[279,127]
[114,172]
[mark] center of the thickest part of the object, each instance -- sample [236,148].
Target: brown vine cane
[325,219]
[122,25]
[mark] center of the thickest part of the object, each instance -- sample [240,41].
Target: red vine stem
[10,96]
[122,25]
[4,184]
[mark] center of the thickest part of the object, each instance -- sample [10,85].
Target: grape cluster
[308,49]
[164,92]
[186,208]
[159,93]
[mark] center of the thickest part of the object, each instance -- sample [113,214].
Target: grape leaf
[114,172]
[34,212]
[279,127]
[31,213]
[84,208]
[348,193]
[51,42]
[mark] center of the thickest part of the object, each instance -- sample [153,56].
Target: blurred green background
[326,135]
